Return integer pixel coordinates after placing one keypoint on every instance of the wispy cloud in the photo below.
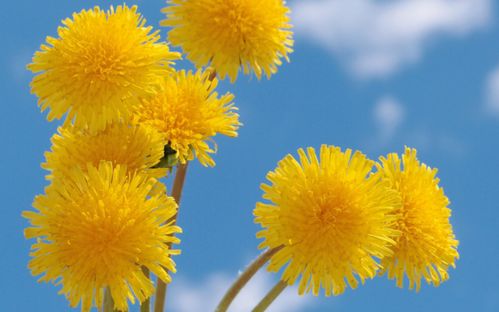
(377, 38)
(492, 93)
(445, 143)
(395, 128)
(17, 66)
(203, 295)
(388, 114)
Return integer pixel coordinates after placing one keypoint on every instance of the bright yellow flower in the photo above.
(231, 34)
(427, 245)
(136, 147)
(98, 67)
(331, 217)
(188, 112)
(96, 229)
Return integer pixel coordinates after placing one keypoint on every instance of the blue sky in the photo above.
(365, 74)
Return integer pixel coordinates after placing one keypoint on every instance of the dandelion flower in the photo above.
(331, 218)
(231, 34)
(138, 148)
(188, 112)
(98, 67)
(96, 229)
(427, 246)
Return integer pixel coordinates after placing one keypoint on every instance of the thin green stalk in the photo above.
(178, 185)
(270, 297)
(244, 278)
(108, 305)
(146, 305)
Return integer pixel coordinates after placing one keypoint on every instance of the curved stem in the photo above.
(244, 278)
(270, 297)
(178, 184)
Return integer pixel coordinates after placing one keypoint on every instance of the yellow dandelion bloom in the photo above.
(136, 147)
(98, 67)
(427, 245)
(231, 34)
(96, 229)
(331, 217)
(188, 112)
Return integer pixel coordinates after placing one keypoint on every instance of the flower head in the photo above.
(231, 34)
(98, 67)
(427, 246)
(136, 147)
(96, 229)
(330, 217)
(188, 112)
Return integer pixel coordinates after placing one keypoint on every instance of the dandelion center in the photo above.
(101, 62)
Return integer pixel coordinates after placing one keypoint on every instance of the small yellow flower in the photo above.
(136, 147)
(188, 112)
(427, 245)
(231, 34)
(98, 67)
(331, 217)
(96, 229)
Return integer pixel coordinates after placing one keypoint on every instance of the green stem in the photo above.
(244, 278)
(108, 301)
(270, 297)
(146, 305)
(178, 185)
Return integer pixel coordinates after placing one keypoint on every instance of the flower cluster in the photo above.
(333, 220)
(330, 219)
(129, 117)
(104, 217)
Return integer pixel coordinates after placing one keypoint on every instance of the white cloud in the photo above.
(201, 296)
(492, 93)
(388, 114)
(376, 38)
